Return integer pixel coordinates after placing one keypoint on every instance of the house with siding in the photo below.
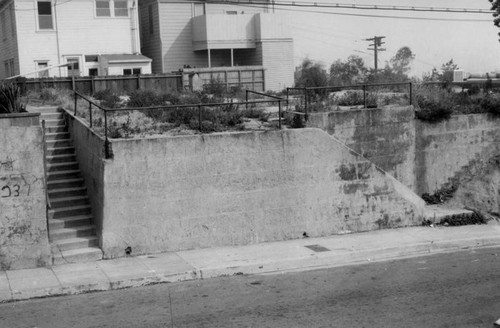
(42, 38)
(241, 42)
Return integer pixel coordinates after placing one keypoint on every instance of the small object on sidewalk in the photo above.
(305, 235)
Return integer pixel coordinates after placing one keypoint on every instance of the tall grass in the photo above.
(10, 99)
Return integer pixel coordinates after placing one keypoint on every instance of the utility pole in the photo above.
(377, 43)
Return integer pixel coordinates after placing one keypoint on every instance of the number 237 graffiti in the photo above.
(10, 191)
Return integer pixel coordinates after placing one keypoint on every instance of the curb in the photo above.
(301, 263)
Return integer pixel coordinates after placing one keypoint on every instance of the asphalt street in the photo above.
(447, 290)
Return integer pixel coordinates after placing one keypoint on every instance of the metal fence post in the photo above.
(199, 117)
(76, 95)
(90, 113)
(106, 141)
(411, 93)
(305, 101)
(364, 96)
(246, 99)
(279, 114)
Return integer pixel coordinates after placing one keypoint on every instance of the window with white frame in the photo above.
(73, 66)
(102, 8)
(131, 71)
(45, 21)
(121, 8)
(111, 8)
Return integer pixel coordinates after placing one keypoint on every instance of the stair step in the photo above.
(61, 158)
(64, 166)
(59, 143)
(57, 136)
(87, 254)
(436, 214)
(69, 222)
(67, 192)
(68, 201)
(62, 175)
(57, 122)
(51, 116)
(60, 150)
(66, 183)
(74, 232)
(69, 211)
(55, 129)
(76, 243)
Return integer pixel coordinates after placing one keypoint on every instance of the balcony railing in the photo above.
(224, 32)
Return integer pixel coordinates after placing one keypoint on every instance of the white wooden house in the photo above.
(239, 41)
(70, 37)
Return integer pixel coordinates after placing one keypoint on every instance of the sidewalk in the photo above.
(266, 258)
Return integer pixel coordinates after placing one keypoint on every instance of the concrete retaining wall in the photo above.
(89, 149)
(445, 150)
(176, 193)
(386, 136)
(23, 217)
(421, 155)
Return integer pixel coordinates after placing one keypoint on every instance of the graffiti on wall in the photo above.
(7, 164)
(12, 184)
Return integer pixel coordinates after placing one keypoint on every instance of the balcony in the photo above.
(224, 32)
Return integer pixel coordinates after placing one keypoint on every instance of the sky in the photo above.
(327, 34)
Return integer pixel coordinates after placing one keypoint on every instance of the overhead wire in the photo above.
(299, 8)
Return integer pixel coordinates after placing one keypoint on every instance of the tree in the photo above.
(350, 72)
(495, 7)
(436, 76)
(400, 63)
(310, 74)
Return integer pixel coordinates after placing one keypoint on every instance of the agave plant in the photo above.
(10, 99)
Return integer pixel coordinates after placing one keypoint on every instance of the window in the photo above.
(45, 15)
(231, 12)
(199, 9)
(91, 58)
(73, 66)
(102, 8)
(41, 68)
(121, 8)
(9, 67)
(93, 72)
(114, 8)
(131, 71)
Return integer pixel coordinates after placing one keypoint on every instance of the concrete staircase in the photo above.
(72, 233)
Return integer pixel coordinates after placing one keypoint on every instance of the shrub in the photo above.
(254, 112)
(146, 98)
(215, 87)
(108, 98)
(50, 95)
(491, 104)
(10, 96)
(356, 98)
(433, 111)
(297, 122)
